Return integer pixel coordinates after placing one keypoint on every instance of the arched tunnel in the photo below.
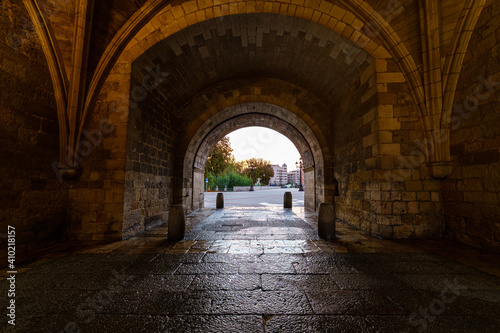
(109, 110)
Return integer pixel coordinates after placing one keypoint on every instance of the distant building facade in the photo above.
(280, 175)
(294, 177)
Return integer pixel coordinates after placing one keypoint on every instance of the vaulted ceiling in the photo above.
(252, 46)
(318, 45)
(110, 16)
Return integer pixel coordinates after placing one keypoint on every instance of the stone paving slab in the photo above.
(331, 300)
(445, 324)
(201, 286)
(306, 282)
(316, 323)
(369, 282)
(226, 282)
(353, 302)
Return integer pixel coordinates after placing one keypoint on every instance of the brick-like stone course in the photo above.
(302, 57)
(32, 199)
(471, 197)
(151, 133)
(96, 199)
(384, 184)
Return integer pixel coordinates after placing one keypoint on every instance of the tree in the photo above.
(265, 173)
(220, 158)
(263, 169)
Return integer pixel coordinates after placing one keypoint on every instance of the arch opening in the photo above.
(248, 115)
(181, 81)
(276, 171)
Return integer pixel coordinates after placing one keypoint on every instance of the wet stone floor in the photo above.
(257, 270)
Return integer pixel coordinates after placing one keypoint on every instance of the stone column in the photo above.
(176, 223)
(326, 221)
(287, 200)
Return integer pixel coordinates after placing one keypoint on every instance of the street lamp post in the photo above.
(299, 166)
(252, 169)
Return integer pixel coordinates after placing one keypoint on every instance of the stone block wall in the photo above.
(96, 198)
(471, 197)
(126, 185)
(383, 181)
(198, 195)
(375, 134)
(350, 126)
(32, 198)
(310, 200)
(151, 139)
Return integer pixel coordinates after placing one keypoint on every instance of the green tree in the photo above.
(222, 170)
(220, 158)
(265, 173)
(263, 169)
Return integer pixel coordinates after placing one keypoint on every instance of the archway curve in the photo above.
(289, 101)
(203, 56)
(292, 104)
(157, 20)
(253, 114)
(254, 120)
(253, 108)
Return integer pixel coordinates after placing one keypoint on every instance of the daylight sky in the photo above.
(262, 142)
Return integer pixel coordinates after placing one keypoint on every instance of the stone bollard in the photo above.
(220, 201)
(287, 200)
(326, 221)
(176, 223)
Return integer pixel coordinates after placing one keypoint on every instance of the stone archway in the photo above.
(247, 120)
(246, 115)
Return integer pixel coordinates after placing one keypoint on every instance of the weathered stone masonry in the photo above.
(471, 198)
(31, 197)
(374, 107)
(383, 180)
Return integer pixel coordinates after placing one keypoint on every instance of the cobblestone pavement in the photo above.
(257, 270)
